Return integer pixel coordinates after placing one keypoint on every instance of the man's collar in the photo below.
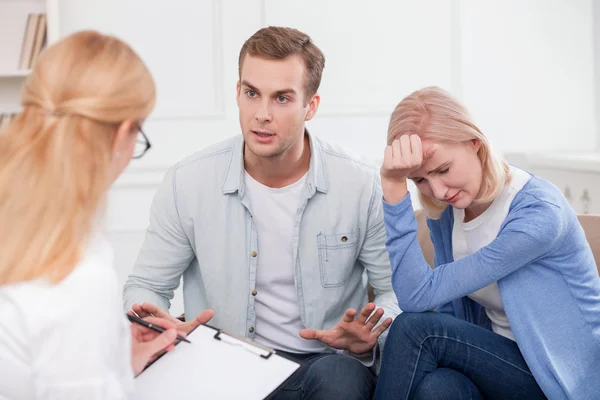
(316, 179)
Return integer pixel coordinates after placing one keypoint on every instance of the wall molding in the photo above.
(217, 54)
(263, 13)
(355, 112)
(53, 21)
(456, 62)
(141, 177)
(218, 111)
(367, 109)
(125, 231)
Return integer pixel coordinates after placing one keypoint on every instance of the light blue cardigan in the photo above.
(546, 274)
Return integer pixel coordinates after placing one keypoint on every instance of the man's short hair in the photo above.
(279, 43)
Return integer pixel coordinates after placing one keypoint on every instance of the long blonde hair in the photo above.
(433, 113)
(56, 156)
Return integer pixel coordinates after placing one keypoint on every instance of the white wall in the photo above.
(596, 28)
(524, 68)
(528, 72)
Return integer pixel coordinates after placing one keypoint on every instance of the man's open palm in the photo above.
(357, 335)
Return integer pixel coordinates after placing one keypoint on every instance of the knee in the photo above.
(446, 384)
(338, 377)
(411, 325)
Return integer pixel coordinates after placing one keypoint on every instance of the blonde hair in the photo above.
(56, 156)
(433, 113)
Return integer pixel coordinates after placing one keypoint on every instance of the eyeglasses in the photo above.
(142, 145)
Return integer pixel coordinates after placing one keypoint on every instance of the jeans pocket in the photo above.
(337, 256)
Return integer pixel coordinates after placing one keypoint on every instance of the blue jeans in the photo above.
(437, 356)
(327, 376)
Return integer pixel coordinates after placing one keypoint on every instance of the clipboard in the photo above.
(216, 365)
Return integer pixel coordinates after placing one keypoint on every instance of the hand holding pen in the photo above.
(147, 343)
(153, 326)
(145, 310)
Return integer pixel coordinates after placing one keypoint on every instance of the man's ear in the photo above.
(313, 106)
(238, 86)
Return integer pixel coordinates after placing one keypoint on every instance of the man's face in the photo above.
(272, 104)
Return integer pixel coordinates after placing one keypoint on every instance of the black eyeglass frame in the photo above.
(144, 140)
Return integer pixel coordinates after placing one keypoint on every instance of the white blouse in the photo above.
(66, 341)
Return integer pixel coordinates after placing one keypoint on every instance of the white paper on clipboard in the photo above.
(214, 366)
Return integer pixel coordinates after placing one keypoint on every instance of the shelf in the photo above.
(15, 73)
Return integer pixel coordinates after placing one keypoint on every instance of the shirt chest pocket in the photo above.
(337, 256)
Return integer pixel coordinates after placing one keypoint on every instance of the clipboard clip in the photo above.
(253, 347)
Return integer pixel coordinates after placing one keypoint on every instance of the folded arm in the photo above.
(531, 230)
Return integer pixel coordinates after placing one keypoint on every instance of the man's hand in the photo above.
(144, 310)
(147, 344)
(355, 335)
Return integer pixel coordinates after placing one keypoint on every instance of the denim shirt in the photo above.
(201, 228)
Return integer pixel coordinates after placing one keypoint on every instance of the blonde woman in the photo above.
(62, 333)
(515, 285)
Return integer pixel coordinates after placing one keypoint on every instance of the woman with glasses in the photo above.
(63, 333)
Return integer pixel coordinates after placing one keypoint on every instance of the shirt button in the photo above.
(251, 329)
(344, 239)
(254, 292)
(254, 254)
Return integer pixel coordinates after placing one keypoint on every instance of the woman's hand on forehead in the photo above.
(405, 155)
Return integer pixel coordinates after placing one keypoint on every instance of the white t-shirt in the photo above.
(66, 341)
(469, 237)
(278, 320)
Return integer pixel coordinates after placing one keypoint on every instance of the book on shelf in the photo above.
(34, 40)
(5, 120)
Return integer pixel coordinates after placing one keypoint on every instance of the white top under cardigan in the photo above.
(469, 237)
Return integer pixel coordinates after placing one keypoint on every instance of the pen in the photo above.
(148, 325)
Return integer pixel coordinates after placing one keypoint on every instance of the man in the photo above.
(274, 231)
